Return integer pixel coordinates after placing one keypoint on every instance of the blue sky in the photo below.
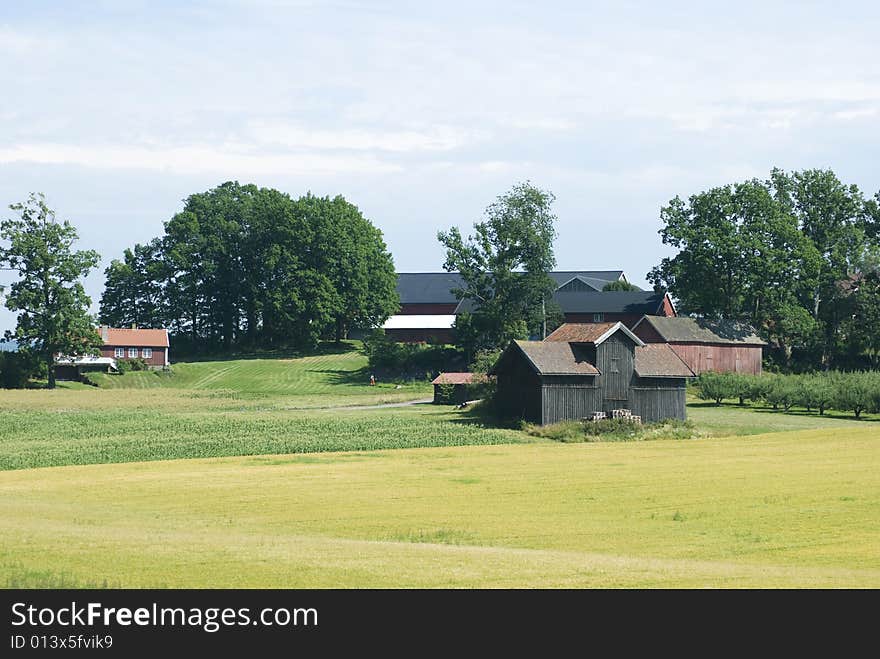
(421, 113)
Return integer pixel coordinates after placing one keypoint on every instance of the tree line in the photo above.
(855, 392)
(796, 255)
(242, 266)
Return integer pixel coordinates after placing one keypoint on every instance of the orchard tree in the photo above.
(504, 267)
(49, 298)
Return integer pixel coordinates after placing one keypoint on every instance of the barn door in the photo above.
(618, 372)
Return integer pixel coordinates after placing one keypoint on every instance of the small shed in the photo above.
(704, 345)
(452, 387)
(585, 368)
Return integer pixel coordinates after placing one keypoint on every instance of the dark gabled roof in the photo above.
(629, 302)
(428, 287)
(594, 333)
(592, 277)
(698, 330)
(436, 287)
(658, 360)
(553, 358)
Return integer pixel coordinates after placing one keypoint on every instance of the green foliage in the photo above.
(855, 392)
(620, 285)
(778, 254)
(504, 268)
(613, 430)
(127, 365)
(715, 386)
(390, 359)
(18, 368)
(48, 296)
(248, 266)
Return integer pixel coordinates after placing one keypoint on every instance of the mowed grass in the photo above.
(792, 509)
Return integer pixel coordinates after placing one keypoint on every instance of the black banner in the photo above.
(126, 621)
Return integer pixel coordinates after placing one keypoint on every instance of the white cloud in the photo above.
(857, 113)
(295, 136)
(231, 160)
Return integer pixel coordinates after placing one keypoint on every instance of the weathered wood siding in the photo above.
(569, 397)
(656, 399)
(614, 359)
(701, 357)
(518, 388)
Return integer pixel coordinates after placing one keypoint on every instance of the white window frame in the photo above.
(598, 317)
(147, 353)
(132, 353)
(119, 353)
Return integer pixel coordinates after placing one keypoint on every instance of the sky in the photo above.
(422, 113)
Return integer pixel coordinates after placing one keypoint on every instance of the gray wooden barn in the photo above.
(583, 368)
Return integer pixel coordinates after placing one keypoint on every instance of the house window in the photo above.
(132, 353)
(147, 353)
(598, 317)
(119, 352)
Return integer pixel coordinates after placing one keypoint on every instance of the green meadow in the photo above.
(290, 481)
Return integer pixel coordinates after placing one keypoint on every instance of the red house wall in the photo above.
(158, 358)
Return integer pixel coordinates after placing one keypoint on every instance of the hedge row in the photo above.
(846, 392)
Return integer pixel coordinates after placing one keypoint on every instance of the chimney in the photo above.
(105, 333)
(134, 326)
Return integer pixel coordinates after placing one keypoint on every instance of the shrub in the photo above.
(391, 359)
(815, 391)
(782, 391)
(857, 392)
(17, 368)
(715, 386)
(126, 365)
(613, 430)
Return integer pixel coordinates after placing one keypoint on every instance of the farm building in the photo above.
(151, 345)
(704, 345)
(452, 387)
(585, 368)
(428, 305)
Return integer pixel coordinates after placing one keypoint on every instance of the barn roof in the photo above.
(658, 360)
(698, 330)
(629, 302)
(555, 358)
(454, 378)
(134, 338)
(436, 287)
(594, 333)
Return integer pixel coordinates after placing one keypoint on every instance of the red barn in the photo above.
(705, 345)
(151, 345)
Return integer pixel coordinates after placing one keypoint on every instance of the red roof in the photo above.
(580, 332)
(134, 338)
(454, 378)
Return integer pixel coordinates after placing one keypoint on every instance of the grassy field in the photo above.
(760, 499)
(788, 509)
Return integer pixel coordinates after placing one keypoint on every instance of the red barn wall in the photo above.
(701, 357)
(648, 334)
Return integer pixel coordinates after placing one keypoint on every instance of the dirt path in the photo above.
(421, 401)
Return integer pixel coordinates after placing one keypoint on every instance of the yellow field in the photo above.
(789, 509)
